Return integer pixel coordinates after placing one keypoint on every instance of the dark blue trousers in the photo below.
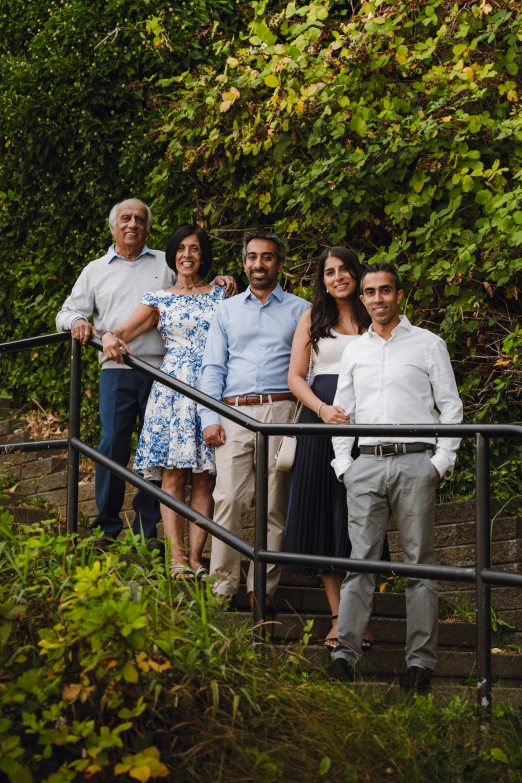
(123, 399)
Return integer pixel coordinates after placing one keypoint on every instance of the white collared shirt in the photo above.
(398, 381)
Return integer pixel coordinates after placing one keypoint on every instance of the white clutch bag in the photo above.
(285, 456)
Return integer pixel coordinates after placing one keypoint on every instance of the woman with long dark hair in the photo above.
(171, 446)
(317, 518)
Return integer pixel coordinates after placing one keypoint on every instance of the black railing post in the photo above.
(260, 533)
(483, 541)
(73, 457)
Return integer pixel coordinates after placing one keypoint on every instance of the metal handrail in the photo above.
(483, 575)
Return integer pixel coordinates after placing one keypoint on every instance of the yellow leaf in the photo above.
(382, 587)
(232, 62)
(271, 80)
(159, 667)
(512, 95)
(469, 73)
(299, 107)
(130, 673)
(158, 42)
(71, 692)
(234, 91)
(92, 769)
(225, 106)
(502, 362)
(447, 118)
(401, 58)
(142, 773)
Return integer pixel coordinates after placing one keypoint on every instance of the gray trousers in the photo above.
(378, 487)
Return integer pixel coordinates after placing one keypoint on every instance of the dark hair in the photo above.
(269, 237)
(324, 314)
(178, 236)
(382, 266)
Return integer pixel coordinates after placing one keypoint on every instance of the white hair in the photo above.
(114, 211)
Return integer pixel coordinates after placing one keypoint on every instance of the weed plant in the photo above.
(109, 670)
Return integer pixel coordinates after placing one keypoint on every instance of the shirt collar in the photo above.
(277, 292)
(112, 254)
(403, 324)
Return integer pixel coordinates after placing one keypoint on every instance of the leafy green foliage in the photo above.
(394, 127)
(109, 669)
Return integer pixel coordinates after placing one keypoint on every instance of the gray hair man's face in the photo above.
(130, 225)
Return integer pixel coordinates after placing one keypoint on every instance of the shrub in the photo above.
(111, 671)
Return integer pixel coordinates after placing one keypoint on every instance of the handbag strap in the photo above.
(299, 406)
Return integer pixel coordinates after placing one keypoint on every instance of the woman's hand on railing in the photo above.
(113, 346)
(333, 414)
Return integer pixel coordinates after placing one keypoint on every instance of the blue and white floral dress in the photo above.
(172, 434)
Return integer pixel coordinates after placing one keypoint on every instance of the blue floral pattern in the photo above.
(172, 434)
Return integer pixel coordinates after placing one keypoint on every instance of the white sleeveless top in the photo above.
(327, 358)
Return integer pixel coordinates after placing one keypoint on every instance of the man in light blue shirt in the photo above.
(245, 364)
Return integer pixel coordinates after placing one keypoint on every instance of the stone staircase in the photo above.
(300, 599)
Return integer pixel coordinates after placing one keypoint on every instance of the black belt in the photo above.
(395, 449)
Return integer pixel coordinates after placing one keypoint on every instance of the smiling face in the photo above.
(261, 265)
(381, 298)
(130, 228)
(188, 255)
(337, 279)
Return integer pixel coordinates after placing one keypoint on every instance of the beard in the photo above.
(261, 283)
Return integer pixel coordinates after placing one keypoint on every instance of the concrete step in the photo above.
(9, 424)
(11, 498)
(16, 437)
(386, 631)
(39, 486)
(459, 664)
(463, 533)
(27, 515)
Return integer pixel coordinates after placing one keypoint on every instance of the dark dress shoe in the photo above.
(154, 545)
(340, 670)
(270, 605)
(416, 678)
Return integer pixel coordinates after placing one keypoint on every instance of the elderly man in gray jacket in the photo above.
(109, 289)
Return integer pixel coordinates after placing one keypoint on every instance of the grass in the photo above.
(110, 671)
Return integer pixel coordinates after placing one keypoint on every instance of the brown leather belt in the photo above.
(259, 399)
(395, 449)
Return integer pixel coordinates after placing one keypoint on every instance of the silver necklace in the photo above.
(190, 287)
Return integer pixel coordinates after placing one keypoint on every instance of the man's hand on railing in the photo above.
(214, 435)
(112, 347)
(82, 330)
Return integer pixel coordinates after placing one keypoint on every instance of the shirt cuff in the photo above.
(341, 465)
(208, 418)
(443, 465)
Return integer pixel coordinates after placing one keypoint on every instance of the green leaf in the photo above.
(324, 766)
(499, 755)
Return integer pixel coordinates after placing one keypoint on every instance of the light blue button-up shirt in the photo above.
(248, 347)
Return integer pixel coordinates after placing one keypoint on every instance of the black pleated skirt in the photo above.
(317, 518)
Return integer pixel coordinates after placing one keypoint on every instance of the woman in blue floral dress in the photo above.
(171, 445)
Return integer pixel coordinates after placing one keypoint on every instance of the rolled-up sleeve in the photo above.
(447, 400)
(213, 368)
(345, 397)
(80, 304)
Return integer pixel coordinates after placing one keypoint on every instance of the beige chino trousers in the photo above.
(235, 486)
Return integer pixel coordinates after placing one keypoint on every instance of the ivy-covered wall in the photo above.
(394, 127)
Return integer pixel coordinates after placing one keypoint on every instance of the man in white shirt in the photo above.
(395, 374)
